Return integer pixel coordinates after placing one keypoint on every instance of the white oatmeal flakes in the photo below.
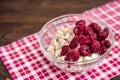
(51, 50)
(57, 52)
(62, 37)
(67, 36)
(61, 57)
(60, 32)
(80, 59)
(65, 30)
(95, 55)
(55, 44)
(87, 58)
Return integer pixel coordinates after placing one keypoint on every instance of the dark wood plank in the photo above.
(30, 16)
(19, 18)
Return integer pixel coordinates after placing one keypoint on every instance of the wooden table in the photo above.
(19, 18)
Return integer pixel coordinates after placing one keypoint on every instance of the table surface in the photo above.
(19, 18)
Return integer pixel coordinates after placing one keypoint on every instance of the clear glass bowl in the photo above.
(49, 30)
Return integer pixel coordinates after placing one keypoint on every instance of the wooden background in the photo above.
(19, 18)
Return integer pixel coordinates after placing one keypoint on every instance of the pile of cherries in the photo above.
(87, 40)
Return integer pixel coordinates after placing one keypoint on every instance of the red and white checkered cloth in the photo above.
(25, 61)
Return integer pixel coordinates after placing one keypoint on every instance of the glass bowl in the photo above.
(49, 30)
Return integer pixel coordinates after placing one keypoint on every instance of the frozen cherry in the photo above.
(106, 43)
(96, 28)
(64, 50)
(67, 58)
(83, 40)
(88, 31)
(103, 34)
(80, 27)
(74, 42)
(73, 55)
(84, 50)
(106, 31)
(102, 50)
(93, 36)
(95, 46)
(80, 22)
(77, 31)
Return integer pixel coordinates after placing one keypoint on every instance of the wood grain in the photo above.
(19, 18)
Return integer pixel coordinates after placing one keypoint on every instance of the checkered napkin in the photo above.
(25, 61)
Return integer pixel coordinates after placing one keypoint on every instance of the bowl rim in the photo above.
(72, 62)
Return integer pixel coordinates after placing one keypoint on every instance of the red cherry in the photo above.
(84, 50)
(64, 50)
(74, 42)
(103, 34)
(88, 31)
(80, 22)
(83, 40)
(95, 46)
(96, 28)
(72, 55)
(106, 43)
(102, 50)
(77, 31)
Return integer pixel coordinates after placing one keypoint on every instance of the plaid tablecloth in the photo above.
(25, 61)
